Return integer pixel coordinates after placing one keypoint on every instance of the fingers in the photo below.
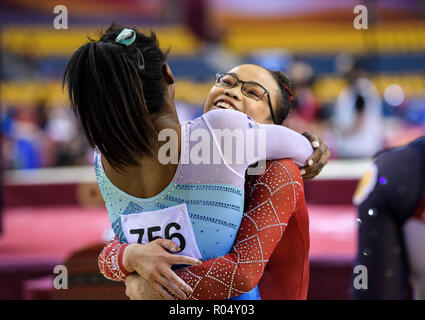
(171, 287)
(316, 156)
(314, 140)
(168, 245)
(163, 293)
(316, 168)
(318, 159)
(177, 259)
(312, 165)
(322, 157)
(177, 281)
(320, 151)
(306, 174)
(138, 288)
(129, 290)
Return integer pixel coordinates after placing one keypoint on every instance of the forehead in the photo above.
(251, 72)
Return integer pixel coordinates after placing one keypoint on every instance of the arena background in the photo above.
(52, 211)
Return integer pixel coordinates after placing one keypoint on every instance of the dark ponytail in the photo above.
(113, 98)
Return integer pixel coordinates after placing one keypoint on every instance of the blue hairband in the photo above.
(127, 37)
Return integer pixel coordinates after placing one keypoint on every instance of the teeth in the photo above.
(224, 105)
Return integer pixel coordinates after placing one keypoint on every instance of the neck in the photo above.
(166, 119)
(149, 177)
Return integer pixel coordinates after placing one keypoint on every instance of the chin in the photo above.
(209, 108)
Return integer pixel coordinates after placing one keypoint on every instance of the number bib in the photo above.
(169, 223)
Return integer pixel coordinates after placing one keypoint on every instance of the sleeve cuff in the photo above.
(120, 254)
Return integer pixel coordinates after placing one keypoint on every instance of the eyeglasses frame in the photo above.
(266, 92)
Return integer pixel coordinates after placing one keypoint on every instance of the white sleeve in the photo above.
(282, 142)
(271, 142)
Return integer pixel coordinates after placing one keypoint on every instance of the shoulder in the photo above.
(220, 118)
(281, 185)
(286, 168)
(398, 178)
(278, 173)
(391, 161)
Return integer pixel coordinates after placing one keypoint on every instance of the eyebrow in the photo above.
(250, 81)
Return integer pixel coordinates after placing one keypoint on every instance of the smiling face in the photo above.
(234, 99)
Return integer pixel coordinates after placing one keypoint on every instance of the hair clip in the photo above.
(140, 57)
(126, 37)
(291, 96)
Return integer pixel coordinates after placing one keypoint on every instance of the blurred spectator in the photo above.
(24, 142)
(35, 137)
(357, 118)
(307, 105)
(305, 114)
(197, 17)
(63, 130)
(222, 34)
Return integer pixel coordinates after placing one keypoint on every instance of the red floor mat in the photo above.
(36, 238)
(35, 233)
(53, 232)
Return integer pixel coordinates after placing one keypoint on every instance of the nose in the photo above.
(234, 93)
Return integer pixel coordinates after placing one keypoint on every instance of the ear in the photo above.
(168, 75)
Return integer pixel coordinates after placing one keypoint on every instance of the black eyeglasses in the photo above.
(249, 89)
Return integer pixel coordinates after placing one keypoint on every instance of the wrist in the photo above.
(128, 257)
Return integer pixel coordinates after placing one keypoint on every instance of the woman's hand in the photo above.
(137, 288)
(153, 262)
(318, 159)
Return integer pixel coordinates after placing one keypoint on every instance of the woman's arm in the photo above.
(270, 141)
(137, 288)
(110, 260)
(152, 261)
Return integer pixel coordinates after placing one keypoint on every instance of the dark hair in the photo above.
(286, 96)
(113, 98)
